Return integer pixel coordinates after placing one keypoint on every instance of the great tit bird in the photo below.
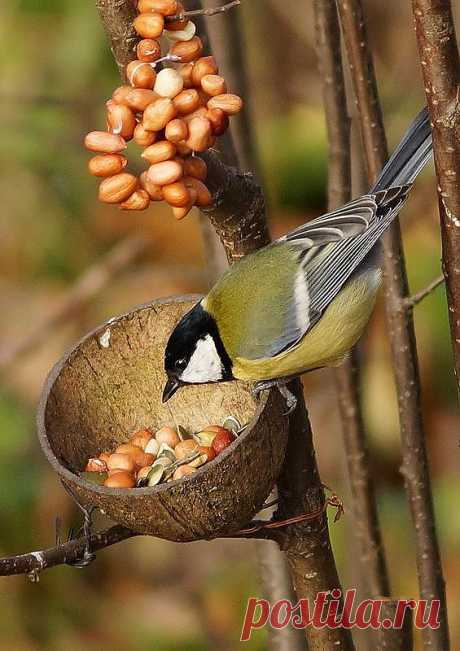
(302, 302)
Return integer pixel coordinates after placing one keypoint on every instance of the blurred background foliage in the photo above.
(55, 73)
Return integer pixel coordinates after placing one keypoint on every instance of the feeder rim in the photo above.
(56, 370)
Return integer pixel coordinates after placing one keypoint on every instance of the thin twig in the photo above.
(64, 554)
(366, 529)
(338, 123)
(414, 300)
(70, 552)
(439, 55)
(401, 330)
(91, 283)
(204, 12)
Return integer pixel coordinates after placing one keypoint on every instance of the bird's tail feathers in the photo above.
(410, 157)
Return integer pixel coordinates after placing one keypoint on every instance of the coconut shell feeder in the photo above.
(110, 385)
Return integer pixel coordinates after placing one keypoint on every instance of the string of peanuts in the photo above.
(173, 115)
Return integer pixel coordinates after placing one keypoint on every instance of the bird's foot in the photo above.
(281, 385)
(291, 400)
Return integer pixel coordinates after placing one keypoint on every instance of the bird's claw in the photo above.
(80, 563)
(257, 389)
(281, 385)
(291, 403)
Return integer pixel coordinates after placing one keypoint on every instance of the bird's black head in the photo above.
(195, 353)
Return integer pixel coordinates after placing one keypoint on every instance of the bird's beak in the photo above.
(172, 385)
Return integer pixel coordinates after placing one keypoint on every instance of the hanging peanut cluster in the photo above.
(172, 115)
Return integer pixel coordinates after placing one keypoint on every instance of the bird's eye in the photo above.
(181, 364)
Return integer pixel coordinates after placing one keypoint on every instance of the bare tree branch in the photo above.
(67, 553)
(437, 43)
(394, 639)
(238, 214)
(401, 330)
(307, 545)
(338, 123)
(91, 283)
(414, 300)
(213, 11)
(117, 20)
(239, 148)
(366, 528)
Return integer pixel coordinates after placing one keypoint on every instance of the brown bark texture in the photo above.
(439, 56)
(400, 327)
(394, 639)
(35, 562)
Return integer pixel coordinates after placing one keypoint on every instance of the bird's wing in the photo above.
(330, 248)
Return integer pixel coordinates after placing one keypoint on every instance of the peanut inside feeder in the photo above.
(111, 384)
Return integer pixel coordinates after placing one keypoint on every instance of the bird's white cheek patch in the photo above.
(205, 364)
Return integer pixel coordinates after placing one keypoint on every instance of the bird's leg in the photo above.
(291, 400)
(263, 385)
(281, 385)
(88, 556)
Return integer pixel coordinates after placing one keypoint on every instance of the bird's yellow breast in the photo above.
(329, 341)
